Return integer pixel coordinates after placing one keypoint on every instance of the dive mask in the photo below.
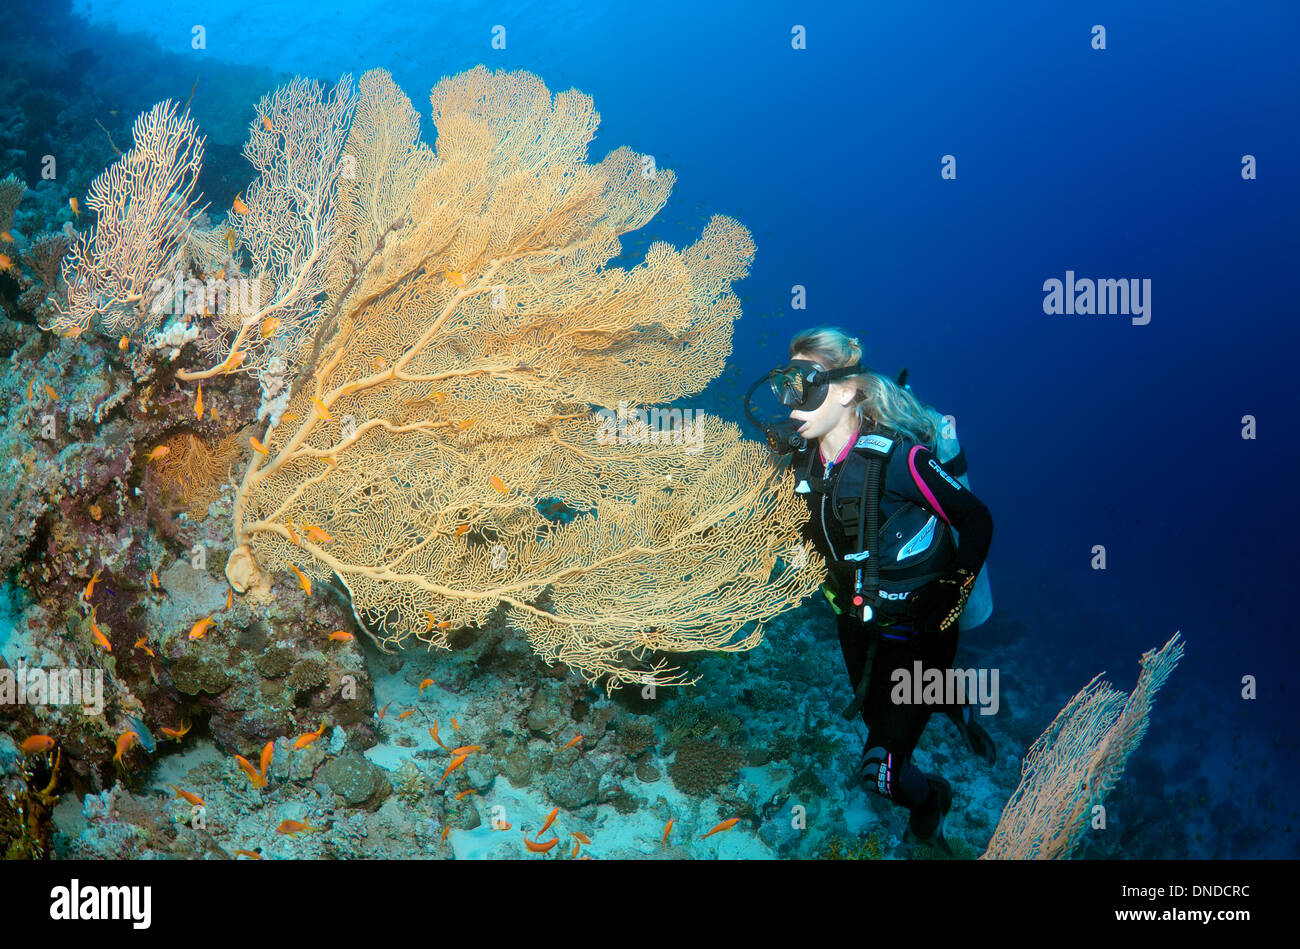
(803, 385)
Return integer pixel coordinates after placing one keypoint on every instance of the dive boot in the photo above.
(978, 741)
(926, 821)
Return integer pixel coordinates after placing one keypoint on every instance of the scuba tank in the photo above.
(979, 606)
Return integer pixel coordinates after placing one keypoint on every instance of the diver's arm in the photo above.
(929, 484)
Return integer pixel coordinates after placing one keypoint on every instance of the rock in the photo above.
(357, 781)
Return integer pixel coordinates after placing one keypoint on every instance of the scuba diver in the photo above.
(863, 450)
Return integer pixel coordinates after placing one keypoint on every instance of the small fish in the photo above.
(153, 578)
(504, 825)
(162, 451)
(460, 531)
(725, 825)
(309, 738)
(76, 207)
(176, 734)
(455, 763)
(5, 262)
(124, 343)
(321, 410)
(407, 714)
(141, 643)
(330, 460)
(50, 392)
(231, 238)
(576, 847)
(37, 744)
(90, 587)
(239, 205)
(288, 524)
(498, 484)
(445, 624)
(341, 636)
(97, 633)
(433, 733)
(250, 772)
(266, 123)
(29, 389)
(234, 361)
(580, 836)
(540, 848)
(124, 743)
(96, 511)
(289, 417)
(269, 326)
(198, 404)
(291, 827)
(464, 424)
(572, 741)
(455, 724)
(550, 819)
(445, 830)
(200, 629)
(191, 798)
(142, 734)
(667, 829)
(465, 793)
(268, 754)
(257, 446)
(250, 854)
(466, 750)
(318, 535)
(383, 710)
(456, 278)
(303, 580)
(230, 599)
(424, 683)
(6, 237)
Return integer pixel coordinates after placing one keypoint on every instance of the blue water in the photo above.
(1080, 430)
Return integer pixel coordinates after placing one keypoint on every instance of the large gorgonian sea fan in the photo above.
(447, 411)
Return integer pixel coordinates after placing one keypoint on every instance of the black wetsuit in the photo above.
(910, 476)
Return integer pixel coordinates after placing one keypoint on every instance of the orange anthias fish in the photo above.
(341, 636)
(464, 424)
(268, 753)
(540, 848)
(250, 772)
(257, 446)
(550, 819)
(465, 793)
(288, 525)
(303, 580)
(456, 278)
(321, 410)
(234, 361)
(142, 643)
(36, 745)
(124, 743)
(191, 798)
(76, 207)
(580, 836)
(160, 452)
(200, 629)
(318, 535)
(266, 123)
(725, 825)
(6, 237)
(49, 390)
(461, 529)
(291, 827)
(5, 262)
(424, 683)
(231, 239)
(466, 749)
(97, 632)
(239, 205)
(308, 739)
(383, 710)
(667, 830)
(90, 587)
(455, 724)
(572, 741)
(124, 343)
(250, 854)
(433, 733)
(288, 417)
(176, 734)
(230, 598)
(455, 763)
(407, 714)
(153, 578)
(269, 326)
(498, 484)
(198, 404)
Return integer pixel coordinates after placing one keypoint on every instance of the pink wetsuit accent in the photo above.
(916, 476)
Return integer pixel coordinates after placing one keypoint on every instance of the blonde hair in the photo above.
(881, 403)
